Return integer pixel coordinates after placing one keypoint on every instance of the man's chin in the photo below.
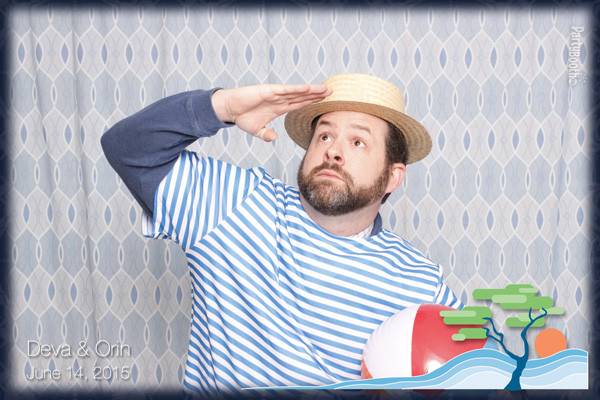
(329, 179)
(329, 204)
(328, 195)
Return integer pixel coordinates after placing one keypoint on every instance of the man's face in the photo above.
(345, 168)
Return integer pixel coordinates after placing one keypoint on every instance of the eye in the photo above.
(358, 143)
(324, 137)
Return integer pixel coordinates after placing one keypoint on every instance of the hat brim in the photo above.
(418, 141)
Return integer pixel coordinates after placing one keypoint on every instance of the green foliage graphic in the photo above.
(512, 297)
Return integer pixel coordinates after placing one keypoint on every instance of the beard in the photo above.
(339, 198)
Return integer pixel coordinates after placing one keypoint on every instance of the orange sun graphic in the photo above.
(550, 341)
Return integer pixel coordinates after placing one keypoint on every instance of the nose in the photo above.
(334, 153)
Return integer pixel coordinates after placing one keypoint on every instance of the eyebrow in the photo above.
(357, 126)
(321, 121)
(361, 127)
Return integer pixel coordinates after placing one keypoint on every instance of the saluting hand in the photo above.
(251, 108)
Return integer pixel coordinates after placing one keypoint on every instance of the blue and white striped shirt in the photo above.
(277, 300)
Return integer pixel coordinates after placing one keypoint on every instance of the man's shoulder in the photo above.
(392, 237)
(403, 248)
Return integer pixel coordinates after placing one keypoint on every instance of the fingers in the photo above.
(301, 103)
(298, 96)
(292, 91)
(269, 102)
(266, 134)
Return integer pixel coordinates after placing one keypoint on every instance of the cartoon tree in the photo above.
(512, 297)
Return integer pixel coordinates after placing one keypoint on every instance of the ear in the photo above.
(397, 172)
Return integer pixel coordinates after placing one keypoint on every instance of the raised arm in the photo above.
(143, 147)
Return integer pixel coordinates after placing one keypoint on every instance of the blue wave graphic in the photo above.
(484, 369)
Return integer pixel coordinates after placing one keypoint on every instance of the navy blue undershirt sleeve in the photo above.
(377, 225)
(142, 148)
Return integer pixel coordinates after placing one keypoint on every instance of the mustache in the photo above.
(335, 168)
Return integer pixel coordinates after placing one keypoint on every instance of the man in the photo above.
(287, 284)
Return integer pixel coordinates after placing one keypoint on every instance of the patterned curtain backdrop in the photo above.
(503, 198)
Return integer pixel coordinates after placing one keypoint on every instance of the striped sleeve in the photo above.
(445, 296)
(195, 196)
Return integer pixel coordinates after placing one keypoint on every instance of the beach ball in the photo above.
(412, 342)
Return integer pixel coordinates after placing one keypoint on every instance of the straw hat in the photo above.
(367, 94)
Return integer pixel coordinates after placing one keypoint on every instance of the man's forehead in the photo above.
(361, 126)
(355, 119)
